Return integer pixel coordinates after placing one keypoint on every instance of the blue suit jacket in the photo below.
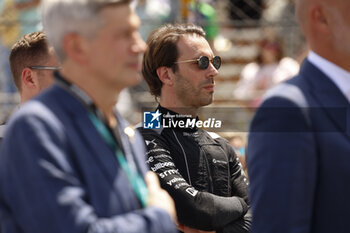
(299, 158)
(57, 174)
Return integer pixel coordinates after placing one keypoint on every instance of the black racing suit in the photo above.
(202, 174)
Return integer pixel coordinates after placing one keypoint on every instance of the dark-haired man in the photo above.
(201, 172)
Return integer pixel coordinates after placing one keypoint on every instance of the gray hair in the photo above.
(61, 17)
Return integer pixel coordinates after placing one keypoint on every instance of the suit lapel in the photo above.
(98, 148)
(105, 158)
(328, 96)
(133, 145)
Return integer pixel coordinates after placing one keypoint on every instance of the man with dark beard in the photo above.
(201, 172)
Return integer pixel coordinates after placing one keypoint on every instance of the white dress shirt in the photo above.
(2, 131)
(338, 75)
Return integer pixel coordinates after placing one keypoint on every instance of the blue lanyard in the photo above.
(136, 181)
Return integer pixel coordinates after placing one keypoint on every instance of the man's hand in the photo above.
(159, 197)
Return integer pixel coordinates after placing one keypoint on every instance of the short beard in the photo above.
(191, 96)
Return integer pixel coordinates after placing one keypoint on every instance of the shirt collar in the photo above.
(338, 75)
(2, 130)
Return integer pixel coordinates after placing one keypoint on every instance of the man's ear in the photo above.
(74, 47)
(320, 19)
(29, 79)
(165, 75)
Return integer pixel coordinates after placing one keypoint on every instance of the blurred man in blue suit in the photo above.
(299, 143)
(69, 162)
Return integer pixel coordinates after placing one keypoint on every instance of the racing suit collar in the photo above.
(175, 120)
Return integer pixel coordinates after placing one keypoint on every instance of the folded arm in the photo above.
(200, 210)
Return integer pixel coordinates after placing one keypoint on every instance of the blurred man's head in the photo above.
(326, 25)
(96, 38)
(32, 62)
(179, 66)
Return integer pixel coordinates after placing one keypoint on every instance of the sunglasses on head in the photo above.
(203, 62)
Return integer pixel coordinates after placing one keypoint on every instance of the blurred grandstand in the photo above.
(234, 28)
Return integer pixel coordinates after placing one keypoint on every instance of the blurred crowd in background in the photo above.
(258, 40)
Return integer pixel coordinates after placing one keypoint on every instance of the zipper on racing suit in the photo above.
(211, 186)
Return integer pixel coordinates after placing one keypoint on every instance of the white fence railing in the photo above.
(8, 103)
